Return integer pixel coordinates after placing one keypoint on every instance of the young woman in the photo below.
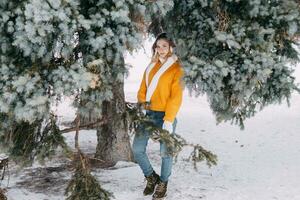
(161, 94)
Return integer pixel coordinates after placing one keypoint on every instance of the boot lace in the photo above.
(150, 181)
(160, 187)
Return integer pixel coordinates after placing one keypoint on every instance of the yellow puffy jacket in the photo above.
(167, 96)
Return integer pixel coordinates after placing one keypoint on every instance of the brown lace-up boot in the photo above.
(152, 180)
(160, 191)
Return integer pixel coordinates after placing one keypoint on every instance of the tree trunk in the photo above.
(113, 139)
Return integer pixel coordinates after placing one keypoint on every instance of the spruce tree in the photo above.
(238, 52)
(114, 27)
(56, 48)
(37, 67)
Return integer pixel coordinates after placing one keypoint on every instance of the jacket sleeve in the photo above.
(175, 99)
(141, 95)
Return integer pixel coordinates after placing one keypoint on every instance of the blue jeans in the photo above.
(140, 143)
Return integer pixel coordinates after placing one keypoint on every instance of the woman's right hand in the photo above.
(142, 108)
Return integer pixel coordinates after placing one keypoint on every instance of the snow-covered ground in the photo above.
(261, 162)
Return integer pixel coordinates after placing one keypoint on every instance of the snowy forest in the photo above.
(69, 76)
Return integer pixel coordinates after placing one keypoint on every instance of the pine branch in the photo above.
(90, 125)
(199, 154)
(28, 141)
(174, 142)
(83, 185)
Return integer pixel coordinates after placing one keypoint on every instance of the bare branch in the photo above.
(90, 125)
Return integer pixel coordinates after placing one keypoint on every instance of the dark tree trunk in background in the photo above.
(113, 139)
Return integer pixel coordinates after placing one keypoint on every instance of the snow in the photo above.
(3, 156)
(261, 162)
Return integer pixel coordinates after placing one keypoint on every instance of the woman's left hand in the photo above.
(168, 126)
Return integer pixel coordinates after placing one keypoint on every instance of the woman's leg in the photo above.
(167, 159)
(139, 151)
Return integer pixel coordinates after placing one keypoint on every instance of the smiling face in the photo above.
(162, 48)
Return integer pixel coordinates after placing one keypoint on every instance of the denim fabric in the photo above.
(140, 143)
